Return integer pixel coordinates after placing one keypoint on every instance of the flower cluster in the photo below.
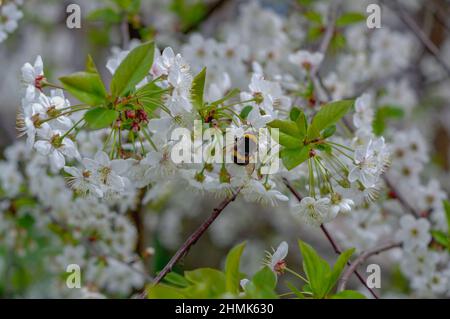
(89, 167)
(10, 14)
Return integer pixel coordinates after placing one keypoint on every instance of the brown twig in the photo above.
(324, 44)
(125, 33)
(331, 240)
(418, 32)
(399, 196)
(331, 27)
(138, 220)
(361, 259)
(184, 249)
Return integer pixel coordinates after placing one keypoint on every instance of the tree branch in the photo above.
(361, 259)
(418, 32)
(331, 240)
(184, 249)
(324, 44)
(399, 196)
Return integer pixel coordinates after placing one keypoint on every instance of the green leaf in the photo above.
(286, 127)
(150, 96)
(294, 114)
(314, 33)
(262, 285)
(446, 204)
(198, 88)
(190, 13)
(100, 117)
(131, 6)
(382, 115)
(329, 131)
(164, 292)
(305, 2)
(441, 237)
(245, 112)
(232, 268)
(287, 140)
(26, 221)
(90, 65)
(348, 294)
(328, 115)
(338, 268)
(302, 124)
(317, 270)
(86, 87)
(294, 289)
(208, 283)
(350, 18)
(314, 16)
(133, 69)
(176, 279)
(292, 157)
(107, 15)
(265, 278)
(228, 96)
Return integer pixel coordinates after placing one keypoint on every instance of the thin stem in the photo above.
(312, 190)
(340, 145)
(184, 249)
(296, 275)
(147, 136)
(361, 259)
(418, 32)
(72, 128)
(64, 114)
(238, 103)
(45, 83)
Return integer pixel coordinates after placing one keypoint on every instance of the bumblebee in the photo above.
(245, 149)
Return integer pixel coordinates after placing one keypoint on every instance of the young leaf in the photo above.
(441, 237)
(245, 112)
(100, 117)
(198, 88)
(208, 282)
(447, 214)
(232, 268)
(288, 141)
(176, 280)
(86, 87)
(317, 270)
(294, 114)
(133, 69)
(329, 131)
(350, 18)
(107, 15)
(228, 96)
(164, 292)
(338, 268)
(382, 115)
(302, 124)
(314, 16)
(328, 115)
(292, 157)
(265, 278)
(150, 96)
(348, 294)
(287, 127)
(90, 65)
(294, 289)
